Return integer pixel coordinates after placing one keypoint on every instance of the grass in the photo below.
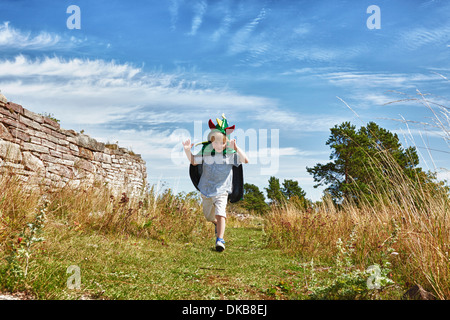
(136, 268)
(405, 228)
(132, 268)
(161, 247)
(154, 247)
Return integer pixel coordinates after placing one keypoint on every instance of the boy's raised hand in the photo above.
(233, 144)
(187, 144)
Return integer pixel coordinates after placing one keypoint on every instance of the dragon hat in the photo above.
(221, 126)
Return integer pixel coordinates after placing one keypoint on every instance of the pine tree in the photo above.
(254, 199)
(364, 161)
(294, 193)
(274, 192)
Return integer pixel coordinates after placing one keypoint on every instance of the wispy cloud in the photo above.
(296, 121)
(302, 29)
(368, 89)
(240, 40)
(224, 27)
(354, 79)
(113, 91)
(174, 8)
(253, 33)
(432, 32)
(17, 39)
(444, 175)
(199, 9)
(424, 36)
(22, 66)
(322, 53)
(286, 151)
(120, 102)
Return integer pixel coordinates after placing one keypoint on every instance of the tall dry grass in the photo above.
(17, 203)
(414, 240)
(95, 208)
(404, 219)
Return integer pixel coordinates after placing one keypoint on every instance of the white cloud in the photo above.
(444, 175)
(298, 122)
(96, 91)
(267, 153)
(224, 27)
(105, 96)
(120, 102)
(76, 68)
(240, 40)
(13, 38)
(173, 10)
(420, 37)
(302, 29)
(200, 9)
(359, 79)
(368, 89)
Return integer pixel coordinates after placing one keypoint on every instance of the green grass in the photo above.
(136, 268)
(162, 248)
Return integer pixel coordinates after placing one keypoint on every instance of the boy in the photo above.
(218, 156)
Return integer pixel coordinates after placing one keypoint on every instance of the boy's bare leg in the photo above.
(220, 223)
(215, 224)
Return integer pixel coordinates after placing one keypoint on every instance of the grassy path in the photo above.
(114, 268)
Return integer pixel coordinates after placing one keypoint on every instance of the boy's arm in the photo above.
(187, 150)
(239, 151)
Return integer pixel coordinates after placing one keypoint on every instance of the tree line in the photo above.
(362, 164)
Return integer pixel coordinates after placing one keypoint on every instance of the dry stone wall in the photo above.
(39, 151)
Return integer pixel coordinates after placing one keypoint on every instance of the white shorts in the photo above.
(214, 206)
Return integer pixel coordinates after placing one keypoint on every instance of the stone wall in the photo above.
(39, 151)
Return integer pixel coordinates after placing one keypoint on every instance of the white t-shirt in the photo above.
(217, 175)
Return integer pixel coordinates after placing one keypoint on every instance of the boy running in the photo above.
(218, 156)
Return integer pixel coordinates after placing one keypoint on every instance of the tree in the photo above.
(291, 188)
(363, 161)
(274, 192)
(290, 192)
(294, 193)
(254, 199)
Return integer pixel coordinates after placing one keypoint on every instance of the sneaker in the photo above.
(220, 244)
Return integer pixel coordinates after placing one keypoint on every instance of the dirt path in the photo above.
(15, 296)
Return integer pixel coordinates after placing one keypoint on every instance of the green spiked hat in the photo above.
(222, 126)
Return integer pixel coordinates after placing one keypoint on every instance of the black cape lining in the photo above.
(237, 193)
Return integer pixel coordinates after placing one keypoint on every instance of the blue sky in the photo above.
(146, 73)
